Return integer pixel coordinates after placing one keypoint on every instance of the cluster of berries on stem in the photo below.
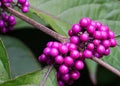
(8, 21)
(87, 39)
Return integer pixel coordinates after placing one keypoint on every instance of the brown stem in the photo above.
(57, 36)
(107, 66)
(37, 25)
(46, 75)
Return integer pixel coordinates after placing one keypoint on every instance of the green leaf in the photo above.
(4, 64)
(33, 79)
(21, 58)
(57, 25)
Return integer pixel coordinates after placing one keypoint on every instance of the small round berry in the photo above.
(84, 37)
(2, 24)
(55, 45)
(11, 19)
(96, 54)
(49, 44)
(26, 4)
(61, 83)
(90, 46)
(54, 52)
(87, 54)
(59, 59)
(98, 24)
(75, 75)
(96, 42)
(76, 28)
(104, 28)
(97, 34)
(74, 39)
(93, 24)
(106, 43)
(70, 33)
(63, 69)
(46, 51)
(25, 9)
(72, 47)
(66, 77)
(42, 58)
(111, 34)
(63, 49)
(100, 49)
(79, 65)
(74, 54)
(84, 22)
(107, 51)
(91, 29)
(104, 35)
(113, 42)
(68, 61)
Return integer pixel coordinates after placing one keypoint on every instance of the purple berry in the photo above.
(68, 61)
(76, 28)
(107, 51)
(93, 24)
(111, 34)
(25, 9)
(72, 47)
(98, 24)
(87, 54)
(104, 28)
(47, 50)
(63, 49)
(42, 58)
(61, 83)
(113, 42)
(97, 35)
(84, 37)
(79, 65)
(100, 49)
(70, 33)
(96, 42)
(74, 54)
(54, 52)
(90, 46)
(55, 45)
(63, 69)
(74, 39)
(59, 59)
(106, 43)
(75, 75)
(96, 54)
(84, 22)
(2, 24)
(66, 77)
(49, 44)
(104, 35)
(91, 29)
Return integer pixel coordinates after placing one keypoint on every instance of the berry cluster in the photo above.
(7, 22)
(87, 39)
(67, 60)
(93, 38)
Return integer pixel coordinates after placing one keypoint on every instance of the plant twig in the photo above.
(57, 36)
(37, 25)
(107, 66)
(46, 75)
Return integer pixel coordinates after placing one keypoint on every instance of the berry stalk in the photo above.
(37, 25)
(107, 66)
(57, 36)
